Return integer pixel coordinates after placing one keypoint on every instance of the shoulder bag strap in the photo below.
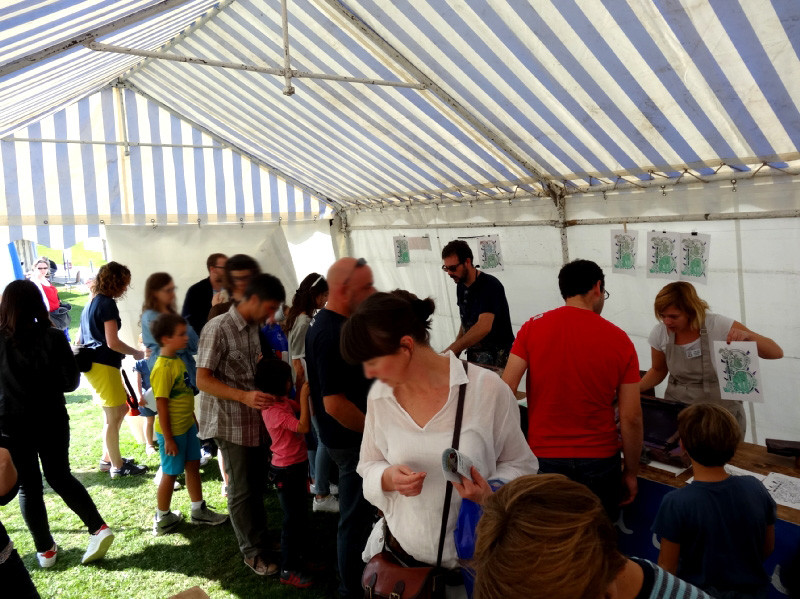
(448, 494)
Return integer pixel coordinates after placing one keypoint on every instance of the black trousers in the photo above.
(292, 482)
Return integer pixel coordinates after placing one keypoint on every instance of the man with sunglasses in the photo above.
(485, 331)
(578, 364)
(339, 397)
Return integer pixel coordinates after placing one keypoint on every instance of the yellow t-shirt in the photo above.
(167, 380)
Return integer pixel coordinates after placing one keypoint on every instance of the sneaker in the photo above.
(205, 456)
(128, 469)
(326, 504)
(98, 545)
(106, 466)
(151, 449)
(49, 557)
(167, 523)
(203, 515)
(333, 489)
(260, 567)
(296, 579)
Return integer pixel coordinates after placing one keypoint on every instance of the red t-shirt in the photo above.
(52, 297)
(576, 361)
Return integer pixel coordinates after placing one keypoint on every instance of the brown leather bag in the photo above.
(386, 578)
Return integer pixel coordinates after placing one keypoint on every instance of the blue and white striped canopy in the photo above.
(519, 97)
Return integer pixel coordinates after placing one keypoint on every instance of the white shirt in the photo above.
(717, 326)
(490, 436)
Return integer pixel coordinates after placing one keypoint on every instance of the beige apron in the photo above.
(694, 380)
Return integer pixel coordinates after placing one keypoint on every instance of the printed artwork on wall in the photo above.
(402, 255)
(663, 255)
(694, 250)
(489, 255)
(737, 369)
(624, 248)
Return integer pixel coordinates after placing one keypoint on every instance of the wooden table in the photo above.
(748, 457)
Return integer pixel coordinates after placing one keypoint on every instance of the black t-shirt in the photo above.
(486, 294)
(93, 331)
(329, 374)
(197, 304)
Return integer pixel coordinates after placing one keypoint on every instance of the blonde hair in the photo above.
(545, 537)
(683, 296)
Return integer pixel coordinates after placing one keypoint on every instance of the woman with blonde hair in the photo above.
(547, 537)
(100, 324)
(681, 346)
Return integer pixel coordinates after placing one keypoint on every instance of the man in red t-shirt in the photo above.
(578, 363)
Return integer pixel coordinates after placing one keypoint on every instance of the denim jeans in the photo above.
(356, 516)
(323, 465)
(247, 468)
(603, 476)
(292, 482)
(48, 441)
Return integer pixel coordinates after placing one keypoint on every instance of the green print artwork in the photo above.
(662, 262)
(738, 378)
(694, 258)
(625, 251)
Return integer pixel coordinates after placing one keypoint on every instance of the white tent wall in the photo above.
(752, 273)
(182, 251)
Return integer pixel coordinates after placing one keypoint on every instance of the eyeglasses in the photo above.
(43, 268)
(452, 267)
(218, 267)
(359, 263)
(606, 294)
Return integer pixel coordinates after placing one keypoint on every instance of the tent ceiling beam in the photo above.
(126, 144)
(78, 40)
(336, 206)
(99, 47)
(487, 132)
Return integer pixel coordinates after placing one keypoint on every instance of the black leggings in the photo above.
(49, 442)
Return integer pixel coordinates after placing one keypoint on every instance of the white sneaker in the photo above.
(333, 489)
(326, 504)
(157, 479)
(49, 557)
(205, 457)
(98, 545)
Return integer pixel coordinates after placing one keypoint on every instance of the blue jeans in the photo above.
(323, 464)
(603, 476)
(355, 521)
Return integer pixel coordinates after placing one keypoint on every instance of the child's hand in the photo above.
(142, 402)
(170, 447)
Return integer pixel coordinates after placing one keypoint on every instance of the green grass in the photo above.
(80, 256)
(139, 565)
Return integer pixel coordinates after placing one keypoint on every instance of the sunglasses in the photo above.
(43, 268)
(452, 267)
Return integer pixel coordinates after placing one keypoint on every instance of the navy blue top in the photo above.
(721, 529)
(329, 374)
(93, 331)
(486, 294)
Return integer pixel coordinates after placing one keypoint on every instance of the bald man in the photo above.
(339, 395)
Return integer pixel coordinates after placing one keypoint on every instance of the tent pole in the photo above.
(288, 88)
(125, 199)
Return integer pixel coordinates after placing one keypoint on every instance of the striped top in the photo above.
(660, 584)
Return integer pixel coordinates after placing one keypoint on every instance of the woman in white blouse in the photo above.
(681, 346)
(410, 420)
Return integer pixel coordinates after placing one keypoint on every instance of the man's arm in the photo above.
(630, 421)
(344, 412)
(475, 333)
(206, 381)
(513, 372)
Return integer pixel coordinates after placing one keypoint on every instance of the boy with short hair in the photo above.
(289, 468)
(716, 532)
(176, 427)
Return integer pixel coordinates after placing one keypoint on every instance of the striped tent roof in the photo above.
(517, 97)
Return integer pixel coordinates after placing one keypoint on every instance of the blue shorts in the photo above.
(146, 412)
(188, 450)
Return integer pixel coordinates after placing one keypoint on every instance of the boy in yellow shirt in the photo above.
(176, 427)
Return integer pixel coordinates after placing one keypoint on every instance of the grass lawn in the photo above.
(139, 565)
(80, 256)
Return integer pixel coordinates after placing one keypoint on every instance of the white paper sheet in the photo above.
(694, 249)
(785, 490)
(402, 255)
(489, 255)
(663, 255)
(624, 248)
(738, 370)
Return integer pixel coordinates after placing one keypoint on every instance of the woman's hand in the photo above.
(475, 489)
(739, 335)
(402, 479)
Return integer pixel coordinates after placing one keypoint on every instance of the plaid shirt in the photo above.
(229, 347)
